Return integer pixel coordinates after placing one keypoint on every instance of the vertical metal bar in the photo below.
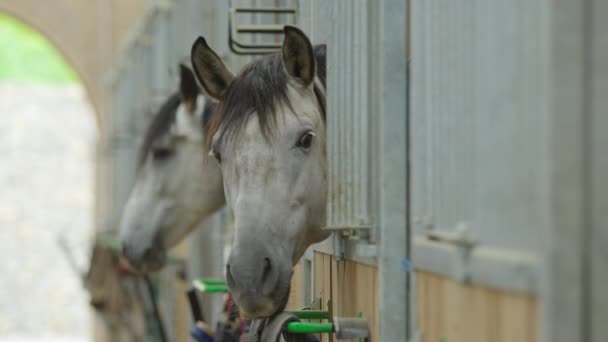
(392, 157)
(347, 148)
(563, 285)
(598, 122)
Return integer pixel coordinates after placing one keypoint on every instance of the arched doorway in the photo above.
(47, 139)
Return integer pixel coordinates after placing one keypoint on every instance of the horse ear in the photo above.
(298, 56)
(187, 87)
(209, 69)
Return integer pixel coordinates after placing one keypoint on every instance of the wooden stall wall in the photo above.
(351, 287)
(449, 311)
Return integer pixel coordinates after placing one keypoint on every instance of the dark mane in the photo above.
(164, 119)
(260, 88)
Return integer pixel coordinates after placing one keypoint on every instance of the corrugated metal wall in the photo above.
(349, 116)
(505, 168)
(366, 122)
(480, 128)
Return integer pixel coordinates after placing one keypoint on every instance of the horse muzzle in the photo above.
(259, 281)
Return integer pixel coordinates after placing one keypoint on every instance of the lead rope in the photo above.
(157, 318)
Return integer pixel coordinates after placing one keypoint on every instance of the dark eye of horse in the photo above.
(160, 153)
(305, 140)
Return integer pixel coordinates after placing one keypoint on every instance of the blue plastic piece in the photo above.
(199, 335)
(406, 265)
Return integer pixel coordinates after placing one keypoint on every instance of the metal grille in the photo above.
(348, 120)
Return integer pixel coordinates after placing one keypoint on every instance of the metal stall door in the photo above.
(359, 269)
(479, 136)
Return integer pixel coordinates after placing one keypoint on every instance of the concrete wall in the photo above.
(87, 33)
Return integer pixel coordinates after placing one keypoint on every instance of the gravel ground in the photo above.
(47, 136)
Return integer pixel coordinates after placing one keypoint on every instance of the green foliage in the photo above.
(26, 56)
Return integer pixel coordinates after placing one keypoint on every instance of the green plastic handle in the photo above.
(310, 328)
(215, 281)
(209, 288)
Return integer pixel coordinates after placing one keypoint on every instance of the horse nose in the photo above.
(250, 274)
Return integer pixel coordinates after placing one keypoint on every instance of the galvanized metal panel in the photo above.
(349, 173)
(598, 272)
(161, 40)
(563, 286)
(366, 130)
(316, 19)
(390, 34)
(479, 121)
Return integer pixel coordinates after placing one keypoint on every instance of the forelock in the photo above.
(259, 90)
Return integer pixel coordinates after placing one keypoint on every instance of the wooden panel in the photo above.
(182, 312)
(352, 288)
(355, 290)
(453, 312)
(322, 279)
(295, 294)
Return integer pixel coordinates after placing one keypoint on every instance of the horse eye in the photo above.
(305, 140)
(160, 153)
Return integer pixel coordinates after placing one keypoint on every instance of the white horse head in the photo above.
(175, 187)
(268, 135)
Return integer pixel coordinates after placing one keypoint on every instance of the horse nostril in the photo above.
(266, 270)
(270, 277)
(148, 254)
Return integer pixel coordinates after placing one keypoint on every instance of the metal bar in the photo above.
(195, 308)
(260, 28)
(598, 126)
(264, 10)
(353, 227)
(311, 314)
(310, 328)
(214, 281)
(564, 288)
(211, 288)
(393, 174)
(241, 48)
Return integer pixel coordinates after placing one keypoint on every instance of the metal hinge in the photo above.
(459, 237)
(351, 232)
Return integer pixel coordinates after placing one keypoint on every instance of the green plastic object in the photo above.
(210, 287)
(111, 243)
(215, 281)
(311, 314)
(310, 328)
